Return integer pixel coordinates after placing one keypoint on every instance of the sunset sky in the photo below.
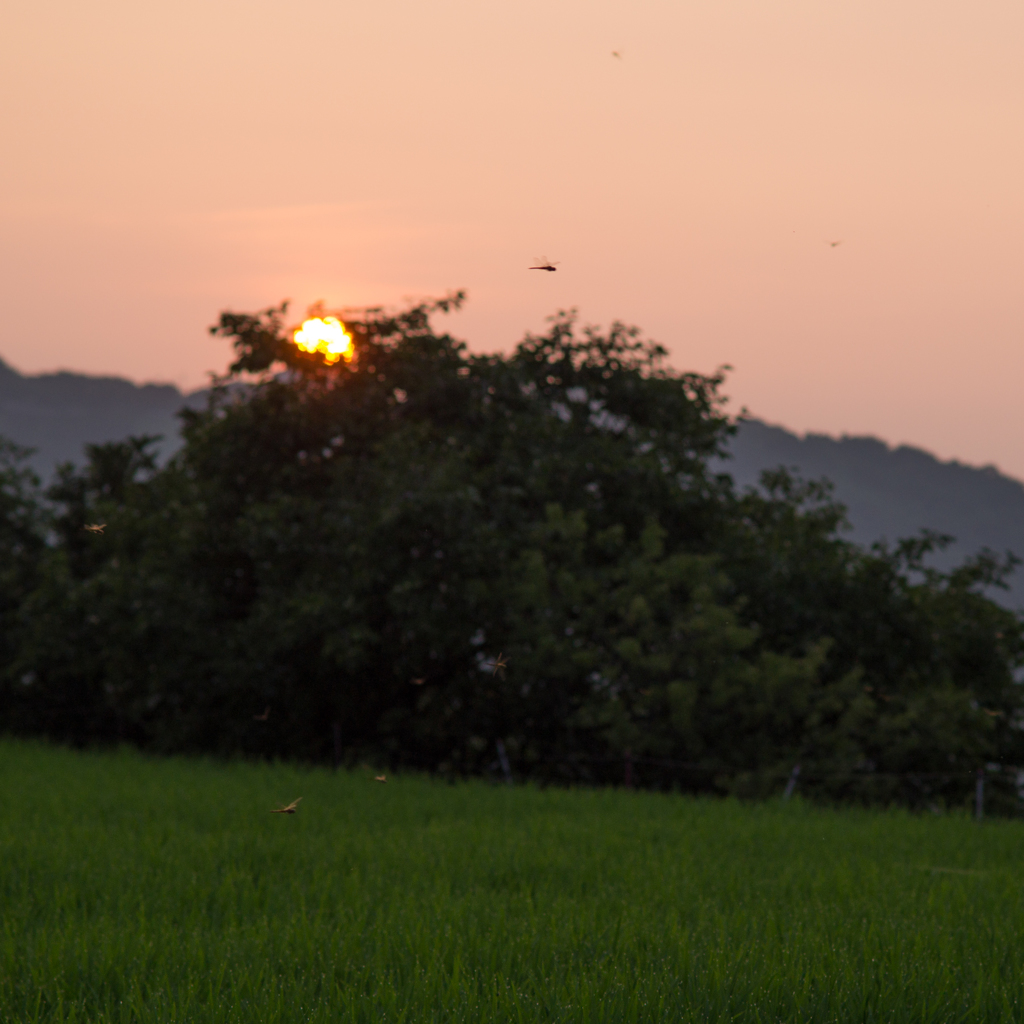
(163, 162)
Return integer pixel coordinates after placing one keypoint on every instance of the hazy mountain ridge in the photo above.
(895, 492)
(889, 492)
(57, 413)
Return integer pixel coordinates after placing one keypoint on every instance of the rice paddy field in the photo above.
(139, 889)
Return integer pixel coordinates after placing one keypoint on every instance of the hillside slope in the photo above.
(895, 492)
(57, 413)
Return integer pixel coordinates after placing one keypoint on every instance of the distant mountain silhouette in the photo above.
(896, 492)
(889, 492)
(58, 413)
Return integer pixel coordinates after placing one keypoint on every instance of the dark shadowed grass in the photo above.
(163, 890)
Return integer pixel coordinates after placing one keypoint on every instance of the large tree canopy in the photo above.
(354, 545)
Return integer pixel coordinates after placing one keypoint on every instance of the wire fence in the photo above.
(926, 788)
(630, 769)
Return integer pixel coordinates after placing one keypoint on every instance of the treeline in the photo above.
(361, 547)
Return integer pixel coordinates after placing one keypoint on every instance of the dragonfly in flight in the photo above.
(545, 264)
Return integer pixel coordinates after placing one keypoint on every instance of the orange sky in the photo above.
(165, 161)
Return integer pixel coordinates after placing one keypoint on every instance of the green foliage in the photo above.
(355, 544)
(136, 889)
(22, 532)
(920, 668)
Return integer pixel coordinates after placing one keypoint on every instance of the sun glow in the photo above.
(326, 335)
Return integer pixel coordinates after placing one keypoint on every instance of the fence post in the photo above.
(629, 769)
(503, 758)
(336, 731)
(791, 785)
(979, 795)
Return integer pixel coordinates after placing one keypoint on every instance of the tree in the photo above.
(354, 544)
(920, 673)
(22, 533)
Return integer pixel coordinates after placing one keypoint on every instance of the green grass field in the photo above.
(135, 889)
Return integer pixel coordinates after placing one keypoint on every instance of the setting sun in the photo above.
(326, 335)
